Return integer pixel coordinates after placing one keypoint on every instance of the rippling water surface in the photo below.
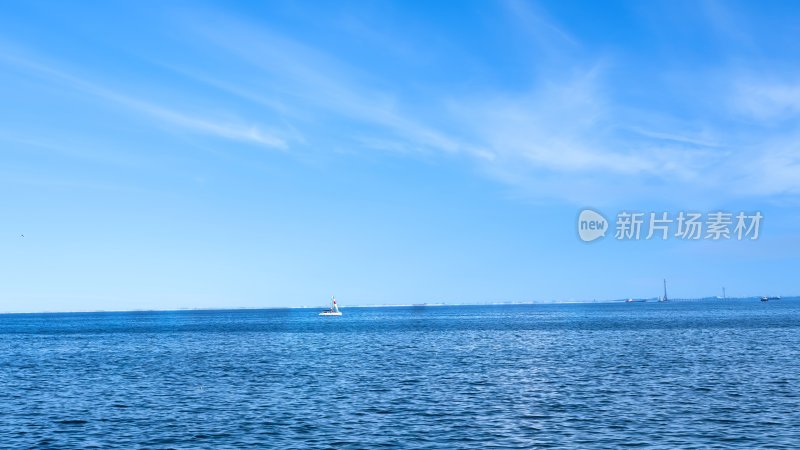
(674, 375)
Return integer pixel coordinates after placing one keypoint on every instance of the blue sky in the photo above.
(162, 155)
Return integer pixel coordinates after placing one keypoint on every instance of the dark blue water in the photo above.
(674, 375)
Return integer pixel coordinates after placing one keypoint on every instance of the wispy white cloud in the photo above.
(728, 25)
(765, 160)
(569, 134)
(238, 132)
(311, 80)
(564, 142)
(248, 133)
(766, 100)
(536, 24)
(566, 136)
(771, 167)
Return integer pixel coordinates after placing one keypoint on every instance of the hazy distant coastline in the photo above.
(404, 305)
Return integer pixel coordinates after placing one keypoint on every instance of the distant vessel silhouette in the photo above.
(767, 298)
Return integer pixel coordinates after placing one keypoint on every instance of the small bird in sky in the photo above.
(21, 235)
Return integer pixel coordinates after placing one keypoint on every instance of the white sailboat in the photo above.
(334, 311)
(664, 298)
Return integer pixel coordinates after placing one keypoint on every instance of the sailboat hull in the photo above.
(334, 311)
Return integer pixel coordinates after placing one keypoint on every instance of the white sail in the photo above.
(334, 311)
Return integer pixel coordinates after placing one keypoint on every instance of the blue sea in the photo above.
(691, 374)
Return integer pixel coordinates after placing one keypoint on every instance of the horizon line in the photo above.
(391, 305)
